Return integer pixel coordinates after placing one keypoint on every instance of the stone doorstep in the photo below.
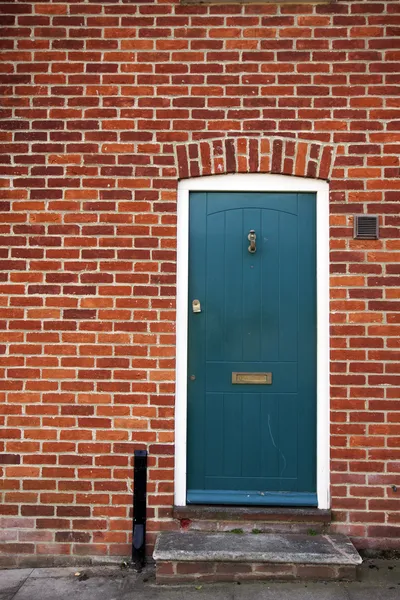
(197, 556)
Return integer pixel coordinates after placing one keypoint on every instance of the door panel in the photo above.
(250, 443)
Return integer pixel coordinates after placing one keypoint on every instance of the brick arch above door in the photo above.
(255, 155)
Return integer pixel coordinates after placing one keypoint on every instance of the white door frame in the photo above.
(256, 182)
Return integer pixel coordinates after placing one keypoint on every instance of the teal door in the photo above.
(252, 349)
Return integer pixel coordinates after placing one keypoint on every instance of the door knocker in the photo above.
(252, 239)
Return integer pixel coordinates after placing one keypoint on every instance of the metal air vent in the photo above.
(366, 227)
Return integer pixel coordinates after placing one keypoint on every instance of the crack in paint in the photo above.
(275, 446)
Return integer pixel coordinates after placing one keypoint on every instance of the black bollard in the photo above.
(139, 509)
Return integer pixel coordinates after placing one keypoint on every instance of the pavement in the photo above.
(379, 580)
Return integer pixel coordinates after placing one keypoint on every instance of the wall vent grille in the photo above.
(366, 227)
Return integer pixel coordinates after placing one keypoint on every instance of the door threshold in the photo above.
(252, 498)
(252, 513)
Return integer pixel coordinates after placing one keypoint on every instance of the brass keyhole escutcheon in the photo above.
(252, 239)
(196, 306)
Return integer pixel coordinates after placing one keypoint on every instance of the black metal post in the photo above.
(139, 509)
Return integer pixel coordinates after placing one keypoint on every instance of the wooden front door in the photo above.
(252, 349)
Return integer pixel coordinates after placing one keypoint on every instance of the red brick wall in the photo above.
(100, 101)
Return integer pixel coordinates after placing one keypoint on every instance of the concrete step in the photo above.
(209, 557)
(261, 519)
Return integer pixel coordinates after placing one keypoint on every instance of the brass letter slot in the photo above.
(252, 378)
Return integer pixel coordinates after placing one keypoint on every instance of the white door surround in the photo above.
(254, 182)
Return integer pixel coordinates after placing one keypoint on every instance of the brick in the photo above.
(232, 568)
(317, 572)
(183, 568)
(10, 459)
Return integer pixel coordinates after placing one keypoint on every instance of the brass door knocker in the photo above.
(252, 239)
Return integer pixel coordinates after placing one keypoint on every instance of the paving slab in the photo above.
(181, 592)
(290, 591)
(374, 593)
(246, 547)
(379, 571)
(11, 580)
(98, 571)
(67, 588)
(380, 580)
